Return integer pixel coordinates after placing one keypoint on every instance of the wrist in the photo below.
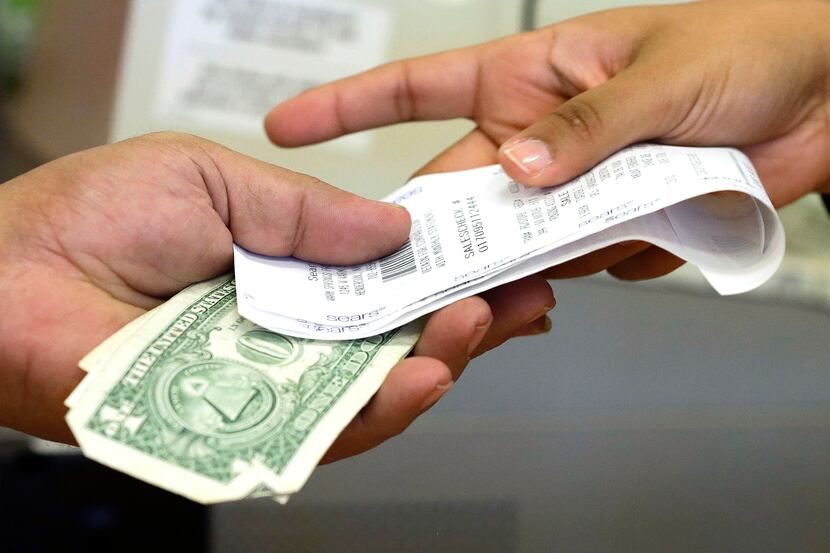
(9, 379)
(15, 343)
(823, 20)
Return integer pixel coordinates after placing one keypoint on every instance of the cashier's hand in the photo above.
(91, 241)
(550, 104)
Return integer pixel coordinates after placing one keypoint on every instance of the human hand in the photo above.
(550, 104)
(91, 241)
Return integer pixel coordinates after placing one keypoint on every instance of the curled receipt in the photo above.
(474, 230)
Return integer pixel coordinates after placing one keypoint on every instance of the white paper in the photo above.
(229, 62)
(474, 230)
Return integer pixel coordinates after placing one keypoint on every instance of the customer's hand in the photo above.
(551, 103)
(91, 241)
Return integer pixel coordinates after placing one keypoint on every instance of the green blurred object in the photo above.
(17, 21)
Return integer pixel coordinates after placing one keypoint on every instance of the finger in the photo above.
(514, 306)
(779, 163)
(277, 212)
(452, 333)
(542, 325)
(597, 261)
(588, 128)
(412, 387)
(439, 86)
(651, 263)
(475, 149)
(444, 348)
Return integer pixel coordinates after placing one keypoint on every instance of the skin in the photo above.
(93, 240)
(551, 103)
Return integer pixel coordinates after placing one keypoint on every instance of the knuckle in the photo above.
(315, 182)
(303, 183)
(580, 118)
(560, 40)
(168, 137)
(404, 98)
(174, 142)
(389, 431)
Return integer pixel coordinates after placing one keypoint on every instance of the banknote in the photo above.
(101, 354)
(200, 401)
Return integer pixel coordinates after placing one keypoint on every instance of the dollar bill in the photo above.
(99, 356)
(200, 401)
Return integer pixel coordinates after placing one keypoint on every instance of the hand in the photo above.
(91, 241)
(550, 104)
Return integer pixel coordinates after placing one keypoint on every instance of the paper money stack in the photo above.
(195, 399)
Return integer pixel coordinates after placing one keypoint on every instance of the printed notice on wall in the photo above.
(228, 62)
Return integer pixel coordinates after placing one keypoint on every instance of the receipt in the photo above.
(476, 229)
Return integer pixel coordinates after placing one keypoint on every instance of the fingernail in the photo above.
(396, 206)
(478, 336)
(530, 155)
(541, 325)
(437, 393)
(535, 322)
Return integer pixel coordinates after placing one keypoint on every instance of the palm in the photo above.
(119, 239)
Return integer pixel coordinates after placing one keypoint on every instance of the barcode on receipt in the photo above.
(398, 264)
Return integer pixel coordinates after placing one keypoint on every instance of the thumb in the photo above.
(273, 211)
(586, 129)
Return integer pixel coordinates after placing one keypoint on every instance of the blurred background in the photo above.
(654, 417)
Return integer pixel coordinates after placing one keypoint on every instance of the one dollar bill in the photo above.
(200, 401)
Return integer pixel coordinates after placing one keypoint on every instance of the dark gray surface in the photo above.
(390, 526)
(646, 421)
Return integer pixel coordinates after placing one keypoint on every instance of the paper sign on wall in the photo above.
(227, 63)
